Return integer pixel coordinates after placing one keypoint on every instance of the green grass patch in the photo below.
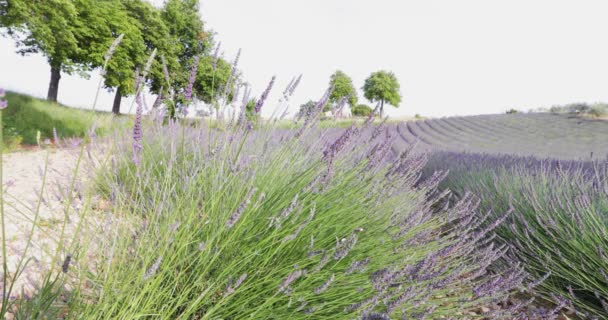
(25, 116)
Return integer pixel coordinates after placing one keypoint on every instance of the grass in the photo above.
(28, 116)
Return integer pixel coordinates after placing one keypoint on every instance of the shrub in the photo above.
(362, 110)
(262, 224)
(512, 111)
(559, 223)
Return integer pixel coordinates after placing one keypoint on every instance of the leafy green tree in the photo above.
(187, 38)
(155, 34)
(343, 87)
(210, 80)
(382, 86)
(145, 31)
(46, 27)
(307, 108)
(362, 110)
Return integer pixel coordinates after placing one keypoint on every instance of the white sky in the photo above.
(451, 57)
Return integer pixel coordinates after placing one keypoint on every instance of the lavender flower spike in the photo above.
(260, 103)
(113, 47)
(216, 55)
(137, 132)
(2, 92)
(192, 78)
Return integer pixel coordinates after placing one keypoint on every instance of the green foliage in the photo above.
(210, 81)
(250, 111)
(25, 116)
(362, 110)
(343, 87)
(308, 107)
(155, 35)
(130, 54)
(382, 86)
(512, 111)
(46, 27)
(187, 39)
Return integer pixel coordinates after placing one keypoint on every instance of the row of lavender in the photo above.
(546, 135)
(556, 219)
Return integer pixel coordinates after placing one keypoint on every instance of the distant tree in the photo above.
(382, 86)
(187, 39)
(155, 36)
(57, 30)
(512, 111)
(362, 110)
(128, 56)
(308, 107)
(213, 77)
(343, 87)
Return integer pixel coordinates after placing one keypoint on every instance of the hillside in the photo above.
(537, 134)
(26, 116)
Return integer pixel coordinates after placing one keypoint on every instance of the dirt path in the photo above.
(23, 181)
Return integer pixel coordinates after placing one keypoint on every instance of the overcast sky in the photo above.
(451, 57)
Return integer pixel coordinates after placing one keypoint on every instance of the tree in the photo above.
(130, 54)
(307, 109)
(343, 87)
(187, 39)
(382, 86)
(46, 27)
(362, 110)
(145, 31)
(210, 80)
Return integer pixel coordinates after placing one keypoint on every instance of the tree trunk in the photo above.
(382, 108)
(117, 100)
(54, 84)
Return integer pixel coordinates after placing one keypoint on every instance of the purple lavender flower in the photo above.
(233, 69)
(295, 85)
(239, 211)
(291, 278)
(192, 78)
(3, 104)
(153, 269)
(216, 55)
(2, 92)
(260, 103)
(137, 132)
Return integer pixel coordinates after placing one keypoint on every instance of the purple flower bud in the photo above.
(153, 269)
(216, 55)
(260, 103)
(2, 93)
(191, 79)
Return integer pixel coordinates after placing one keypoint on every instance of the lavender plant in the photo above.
(276, 224)
(559, 226)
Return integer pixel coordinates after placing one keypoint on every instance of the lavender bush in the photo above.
(290, 224)
(559, 223)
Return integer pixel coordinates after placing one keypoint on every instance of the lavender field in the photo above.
(209, 194)
(558, 136)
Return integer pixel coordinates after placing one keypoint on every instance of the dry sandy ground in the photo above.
(23, 182)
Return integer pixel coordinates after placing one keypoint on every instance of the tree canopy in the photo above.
(342, 88)
(383, 87)
(49, 28)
